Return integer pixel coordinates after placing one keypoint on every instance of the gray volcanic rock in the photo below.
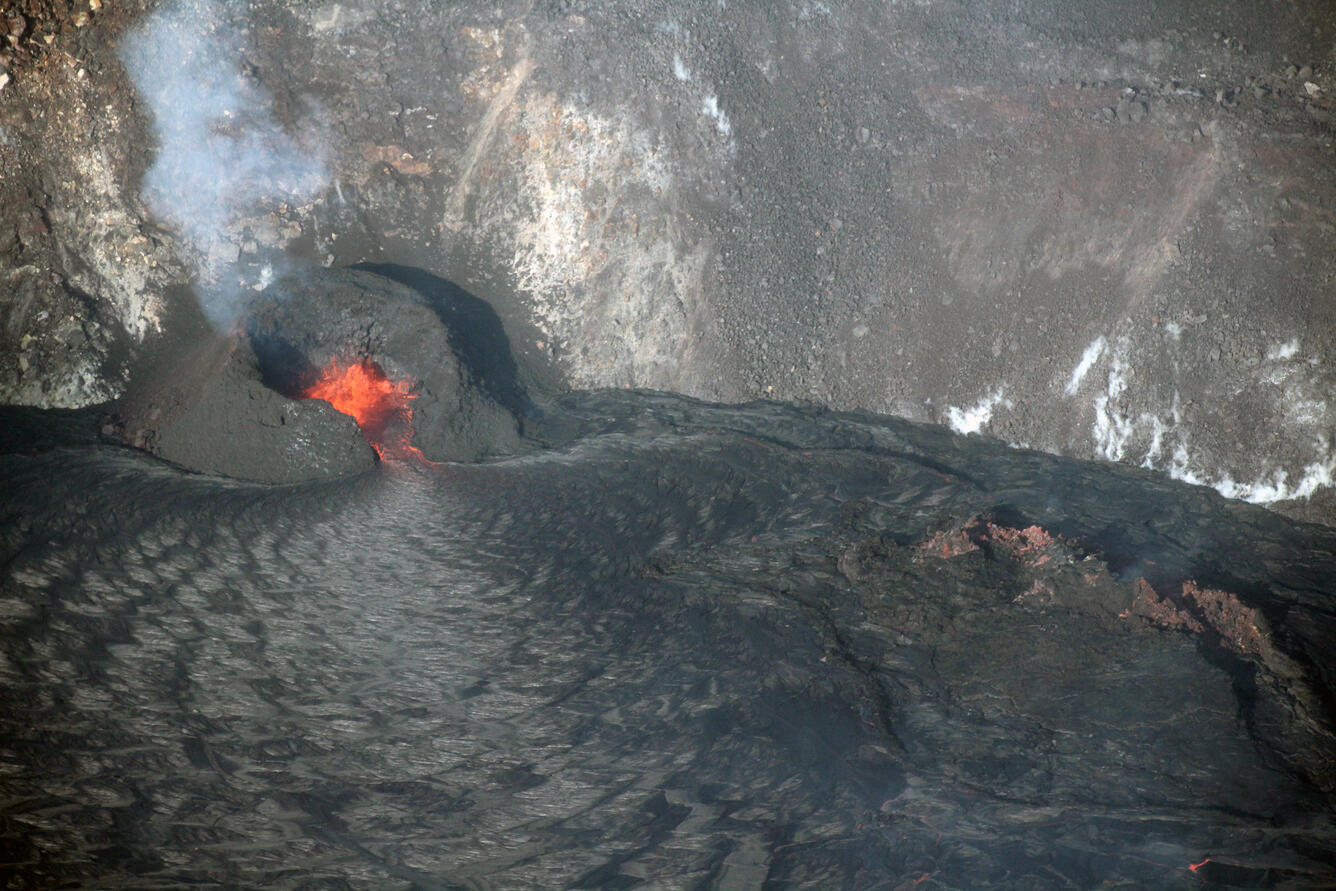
(59, 358)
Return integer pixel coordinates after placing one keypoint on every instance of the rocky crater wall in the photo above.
(1103, 230)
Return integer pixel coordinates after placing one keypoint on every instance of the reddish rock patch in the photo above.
(1156, 610)
(1236, 623)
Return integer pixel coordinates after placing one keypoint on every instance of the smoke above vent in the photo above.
(222, 157)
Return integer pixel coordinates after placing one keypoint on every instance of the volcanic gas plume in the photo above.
(380, 406)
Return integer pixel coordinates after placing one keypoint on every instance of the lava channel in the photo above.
(380, 406)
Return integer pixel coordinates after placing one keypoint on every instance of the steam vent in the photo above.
(747, 445)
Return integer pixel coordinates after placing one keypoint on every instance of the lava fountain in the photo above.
(381, 407)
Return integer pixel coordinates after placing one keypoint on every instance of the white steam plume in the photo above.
(221, 157)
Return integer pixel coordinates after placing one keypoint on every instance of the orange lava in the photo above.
(379, 405)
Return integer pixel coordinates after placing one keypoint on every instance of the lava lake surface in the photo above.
(695, 646)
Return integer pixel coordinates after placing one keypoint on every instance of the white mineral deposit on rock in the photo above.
(973, 419)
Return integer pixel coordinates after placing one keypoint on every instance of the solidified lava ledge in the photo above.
(350, 535)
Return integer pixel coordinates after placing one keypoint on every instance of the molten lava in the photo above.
(379, 405)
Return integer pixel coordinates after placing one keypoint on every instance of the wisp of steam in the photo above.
(222, 157)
